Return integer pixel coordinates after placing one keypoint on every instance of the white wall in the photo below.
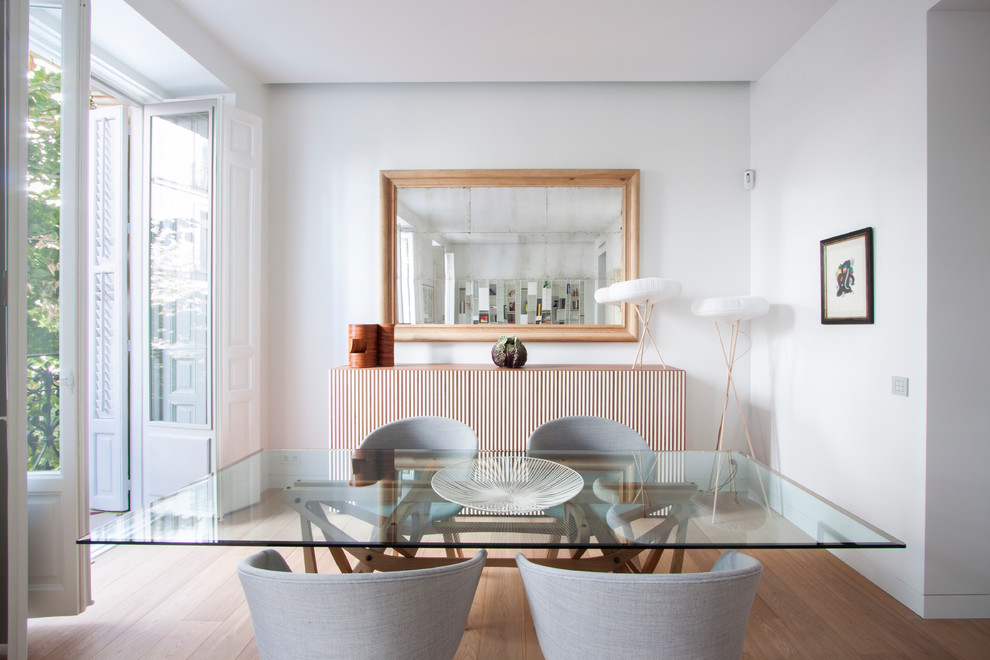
(327, 144)
(957, 518)
(839, 143)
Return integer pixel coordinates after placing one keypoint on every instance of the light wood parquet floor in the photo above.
(186, 602)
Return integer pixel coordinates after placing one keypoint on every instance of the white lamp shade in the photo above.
(645, 290)
(603, 297)
(731, 308)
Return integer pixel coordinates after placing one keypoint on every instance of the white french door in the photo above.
(174, 358)
(196, 367)
(58, 569)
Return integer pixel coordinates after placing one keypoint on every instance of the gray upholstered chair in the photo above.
(439, 433)
(418, 614)
(412, 433)
(581, 432)
(581, 614)
(585, 432)
(433, 433)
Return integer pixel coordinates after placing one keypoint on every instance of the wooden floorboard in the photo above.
(180, 602)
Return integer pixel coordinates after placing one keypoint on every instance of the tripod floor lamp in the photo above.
(643, 294)
(731, 311)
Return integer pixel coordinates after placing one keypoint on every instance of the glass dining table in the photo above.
(398, 509)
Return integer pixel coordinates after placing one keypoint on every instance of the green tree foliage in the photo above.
(44, 148)
(44, 145)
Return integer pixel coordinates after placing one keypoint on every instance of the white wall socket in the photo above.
(899, 385)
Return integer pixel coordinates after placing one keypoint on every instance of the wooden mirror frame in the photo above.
(393, 180)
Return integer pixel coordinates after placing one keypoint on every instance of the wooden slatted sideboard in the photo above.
(504, 406)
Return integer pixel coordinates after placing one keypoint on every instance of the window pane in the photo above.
(44, 218)
(180, 264)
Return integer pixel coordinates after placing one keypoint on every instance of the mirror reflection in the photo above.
(507, 255)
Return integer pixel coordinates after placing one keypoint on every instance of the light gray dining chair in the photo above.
(410, 615)
(430, 433)
(413, 433)
(437, 433)
(581, 432)
(580, 614)
(585, 432)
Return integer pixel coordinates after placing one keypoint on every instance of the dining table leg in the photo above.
(340, 558)
(309, 559)
(652, 560)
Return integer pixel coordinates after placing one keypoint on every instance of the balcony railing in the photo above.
(43, 412)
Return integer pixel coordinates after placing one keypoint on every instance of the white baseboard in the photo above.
(957, 606)
(880, 576)
(928, 606)
(286, 467)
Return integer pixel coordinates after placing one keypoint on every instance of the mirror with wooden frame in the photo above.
(470, 255)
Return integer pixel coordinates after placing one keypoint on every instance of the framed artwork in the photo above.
(847, 277)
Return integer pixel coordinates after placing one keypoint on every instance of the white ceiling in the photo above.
(126, 42)
(314, 41)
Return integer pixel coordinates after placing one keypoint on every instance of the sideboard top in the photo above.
(528, 367)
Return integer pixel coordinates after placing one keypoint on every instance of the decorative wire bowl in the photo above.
(507, 484)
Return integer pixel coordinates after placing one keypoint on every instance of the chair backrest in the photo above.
(441, 433)
(417, 614)
(580, 614)
(585, 432)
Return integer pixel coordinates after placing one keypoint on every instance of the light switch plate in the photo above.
(899, 385)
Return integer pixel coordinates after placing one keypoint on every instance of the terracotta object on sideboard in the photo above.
(386, 345)
(369, 466)
(362, 345)
(370, 345)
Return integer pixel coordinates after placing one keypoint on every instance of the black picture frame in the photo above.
(847, 289)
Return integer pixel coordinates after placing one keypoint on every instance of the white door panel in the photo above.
(107, 477)
(108, 446)
(239, 286)
(44, 568)
(173, 459)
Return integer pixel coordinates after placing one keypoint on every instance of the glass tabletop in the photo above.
(422, 499)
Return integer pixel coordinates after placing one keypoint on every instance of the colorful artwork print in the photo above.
(847, 278)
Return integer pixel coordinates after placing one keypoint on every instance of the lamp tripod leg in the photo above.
(721, 426)
(646, 327)
(641, 347)
(730, 359)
